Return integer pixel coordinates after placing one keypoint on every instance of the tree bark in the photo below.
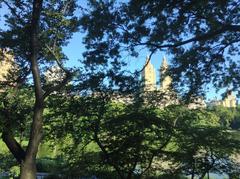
(14, 147)
(28, 169)
(28, 165)
(8, 138)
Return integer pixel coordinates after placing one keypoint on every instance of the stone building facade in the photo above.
(229, 101)
(6, 63)
(149, 76)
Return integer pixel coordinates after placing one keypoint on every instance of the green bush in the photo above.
(49, 165)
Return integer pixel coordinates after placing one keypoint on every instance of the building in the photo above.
(7, 63)
(165, 79)
(149, 76)
(196, 103)
(229, 100)
(162, 95)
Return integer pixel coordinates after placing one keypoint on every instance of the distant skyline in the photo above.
(75, 49)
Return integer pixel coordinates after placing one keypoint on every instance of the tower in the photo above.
(165, 79)
(149, 76)
(230, 100)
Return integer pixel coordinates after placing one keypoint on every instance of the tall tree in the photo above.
(128, 138)
(203, 36)
(35, 34)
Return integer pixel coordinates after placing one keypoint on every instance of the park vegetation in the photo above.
(87, 136)
(69, 125)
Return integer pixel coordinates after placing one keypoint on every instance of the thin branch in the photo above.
(206, 36)
(13, 11)
(103, 149)
(148, 60)
(52, 50)
(149, 164)
(68, 75)
(64, 10)
(57, 59)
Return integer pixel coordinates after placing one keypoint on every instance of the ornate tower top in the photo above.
(164, 63)
(165, 79)
(149, 76)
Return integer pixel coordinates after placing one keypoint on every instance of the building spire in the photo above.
(164, 62)
(165, 79)
(149, 76)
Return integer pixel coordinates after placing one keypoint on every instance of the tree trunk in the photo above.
(28, 169)
(28, 165)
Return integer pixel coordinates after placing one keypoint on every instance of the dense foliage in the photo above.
(131, 141)
(86, 131)
(202, 36)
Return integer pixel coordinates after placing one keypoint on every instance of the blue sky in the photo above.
(75, 48)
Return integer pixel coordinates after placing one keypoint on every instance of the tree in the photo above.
(35, 34)
(226, 115)
(127, 138)
(129, 142)
(201, 145)
(204, 150)
(202, 36)
(235, 124)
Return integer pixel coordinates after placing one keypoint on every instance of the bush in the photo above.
(49, 165)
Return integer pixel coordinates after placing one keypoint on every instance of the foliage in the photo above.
(49, 165)
(96, 135)
(125, 137)
(129, 140)
(204, 148)
(226, 115)
(35, 33)
(57, 25)
(202, 36)
(132, 140)
(7, 161)
(229, 117)
(18, 102)
(235, 124)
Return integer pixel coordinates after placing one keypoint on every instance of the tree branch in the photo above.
(13, 11)
(206, 36)
(68, 75)
(148, 60)
(7, 137)
(36, 127)
(14, 147)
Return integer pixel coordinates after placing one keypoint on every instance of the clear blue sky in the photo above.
(75, 48)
